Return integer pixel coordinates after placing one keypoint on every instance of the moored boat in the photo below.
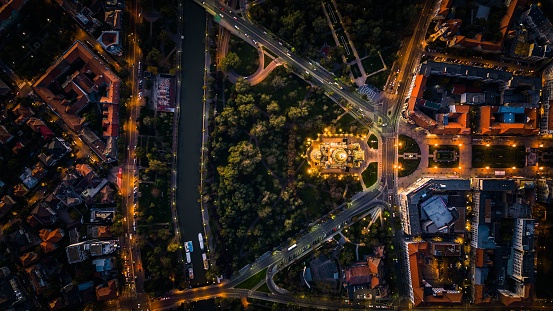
(206, 264)
(201, 239)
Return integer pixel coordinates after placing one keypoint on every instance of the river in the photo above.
(190, 138)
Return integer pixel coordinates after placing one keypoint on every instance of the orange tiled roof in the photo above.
(445, 5)
(28, 258)
(488, 45)
(418, 292)
(20, 190)
(489, 125)
(102, 76)
(418, 90)
(56, 304)
(104, 232)
(84, 169)
(358, 275)
(373, 264)
(479, 258)
(47, 246)
(107, 292)
(51, 235)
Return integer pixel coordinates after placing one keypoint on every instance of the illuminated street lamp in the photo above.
(514, 145)
(487, 167)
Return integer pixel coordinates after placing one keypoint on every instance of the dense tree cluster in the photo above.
(300, 23)
(371, 24)
(257, 153)
(377, 24)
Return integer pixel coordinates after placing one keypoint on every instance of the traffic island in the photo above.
(409, 154)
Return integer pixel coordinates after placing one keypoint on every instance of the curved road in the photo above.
(362, 204)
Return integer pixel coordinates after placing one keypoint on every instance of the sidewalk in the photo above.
(465, 144)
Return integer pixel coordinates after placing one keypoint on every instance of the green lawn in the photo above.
(378, 80)
(373, 142)
(249, 58)
(355, 71)
(267, 59)
(372, 64)
(407, 167)
(407, 144)
(445, 153)
(498, 156)
(264, 288)
(370, 175)
(253, 280)
(545, 157)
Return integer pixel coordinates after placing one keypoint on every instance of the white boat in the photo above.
(188, 259)
(191, 273)
(188, 246)
(206, 264)
(201, 239)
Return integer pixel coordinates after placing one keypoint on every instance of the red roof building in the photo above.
(23, 113)
(79, 87)
(52, 236)
(107, 291)
(356, 275)
(28, 258)
(420, 291)
(56, 304)
(499, 120)
(479, 43)
(453, 123)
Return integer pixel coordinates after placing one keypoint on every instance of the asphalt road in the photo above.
(129, 186)
(249, 32)
(363, 204)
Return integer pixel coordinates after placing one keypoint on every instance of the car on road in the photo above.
(236, 27)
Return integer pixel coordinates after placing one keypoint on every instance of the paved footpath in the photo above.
(465, 143)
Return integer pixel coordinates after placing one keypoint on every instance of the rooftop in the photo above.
(338, 154)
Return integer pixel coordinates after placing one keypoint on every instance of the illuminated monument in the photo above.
(338, 154)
